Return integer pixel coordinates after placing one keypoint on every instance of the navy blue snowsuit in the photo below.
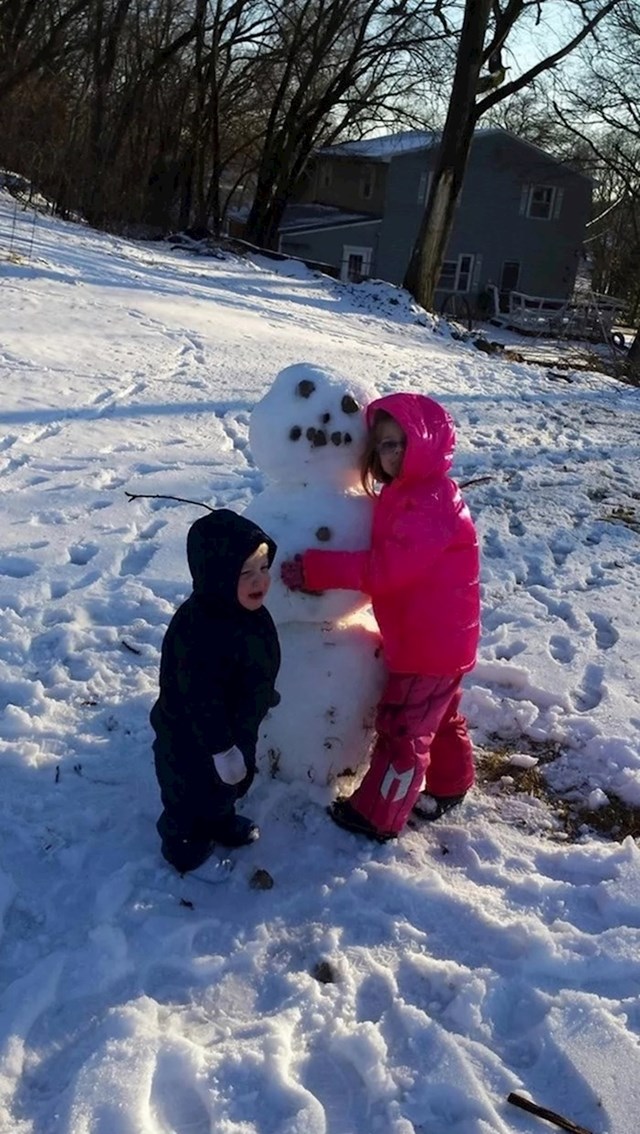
(218, 669)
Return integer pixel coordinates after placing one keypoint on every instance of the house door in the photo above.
(508, 281)
(356, 263)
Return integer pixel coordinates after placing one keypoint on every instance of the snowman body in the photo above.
(307, 435)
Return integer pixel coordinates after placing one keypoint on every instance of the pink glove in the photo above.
(292, 573)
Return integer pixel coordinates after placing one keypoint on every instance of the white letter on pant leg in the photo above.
(403, 781)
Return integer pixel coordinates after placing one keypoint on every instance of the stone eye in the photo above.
(349, 404)
(305, 388)
(295, 433)
(336, 438)
(323, 534)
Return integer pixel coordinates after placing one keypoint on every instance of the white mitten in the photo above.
(230, 766)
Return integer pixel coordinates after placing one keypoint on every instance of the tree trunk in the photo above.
(428, 253)
(270, 198)
(265, 215)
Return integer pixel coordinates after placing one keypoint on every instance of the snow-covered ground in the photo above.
(475, 957)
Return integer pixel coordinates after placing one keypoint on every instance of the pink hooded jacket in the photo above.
(422, 568)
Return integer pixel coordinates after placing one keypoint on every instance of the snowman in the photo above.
(307, 434)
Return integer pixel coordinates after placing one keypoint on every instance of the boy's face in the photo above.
(254, 581)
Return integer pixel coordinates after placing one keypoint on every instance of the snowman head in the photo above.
(309, 428)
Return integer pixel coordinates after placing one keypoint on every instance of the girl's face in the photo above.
(254, 580)
(391, 443)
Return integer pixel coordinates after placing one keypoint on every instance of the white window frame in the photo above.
(552, 191)
(461, 271)
(349, 250)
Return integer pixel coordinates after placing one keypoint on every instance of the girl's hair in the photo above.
(371, 471)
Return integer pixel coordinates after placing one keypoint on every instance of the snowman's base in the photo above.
(330, 683)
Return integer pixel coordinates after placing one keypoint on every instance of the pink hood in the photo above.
(431, 435)
(422, 569)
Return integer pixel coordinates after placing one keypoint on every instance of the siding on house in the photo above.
(403, 211)
(355, 184)
(491, 223)
(327, 245)
(492, 220)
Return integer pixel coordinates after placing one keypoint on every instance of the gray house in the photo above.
(520, 219)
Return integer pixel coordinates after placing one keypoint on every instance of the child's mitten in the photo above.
(230, 766)
(292, 573)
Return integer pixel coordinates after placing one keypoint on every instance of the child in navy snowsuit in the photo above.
(220, 659)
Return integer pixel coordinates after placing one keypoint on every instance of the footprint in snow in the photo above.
(606, 634)
(17, 566)
(137, 559)
(561, 649)
(152, 529)
(510, 650)
(81, 553)
(537, 575)
(590, 693)
(493, 546)
(561, 550)
(559, 608)
(176, 1104)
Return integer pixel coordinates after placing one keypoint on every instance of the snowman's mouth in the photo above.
(320, 437)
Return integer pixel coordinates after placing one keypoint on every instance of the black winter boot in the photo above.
(185, 854)
(347, 817)
(432, 807)
(235, 831)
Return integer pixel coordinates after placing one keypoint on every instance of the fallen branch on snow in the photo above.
(160, 496)
(476, 480)
(548, 1115)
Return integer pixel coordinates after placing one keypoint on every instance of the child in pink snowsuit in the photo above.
(421, 572)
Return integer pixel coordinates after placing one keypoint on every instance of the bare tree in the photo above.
(127, 58)
(602, 110)
(34, 34)
(229, 60)
(486, 28)
(154, 110)
(333, 62)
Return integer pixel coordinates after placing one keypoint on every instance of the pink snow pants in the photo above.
(422, 739)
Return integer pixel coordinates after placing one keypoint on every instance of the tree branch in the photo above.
(545, 64)
(159, 496)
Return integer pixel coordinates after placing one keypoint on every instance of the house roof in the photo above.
(300, 218)
(387, 146)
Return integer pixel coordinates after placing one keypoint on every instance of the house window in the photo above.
(356, 263)
(541, 202)
(455, 275)
(366, 185)
(424, 185)
(447, 281)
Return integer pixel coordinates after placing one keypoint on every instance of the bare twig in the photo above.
(548, 1115)
(475, 480)
(133, 649)
(160, 496)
